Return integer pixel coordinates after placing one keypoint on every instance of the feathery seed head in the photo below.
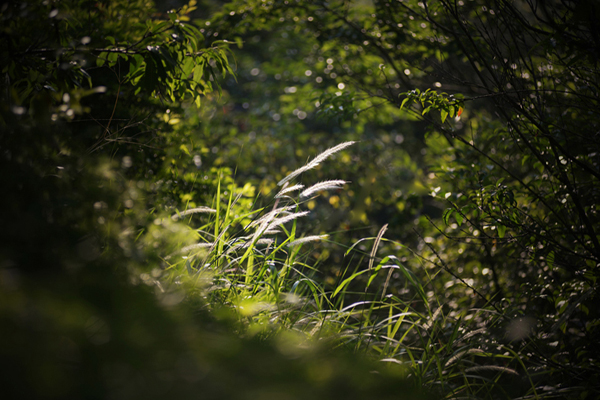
(307, 239)
(286, 190)
(196, 210)
(316, 161)
(325, 185)
(287, 218)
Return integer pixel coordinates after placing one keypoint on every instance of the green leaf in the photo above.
(135, 67)
(188, 67)
(184, 148)
(459, 218)
(193, 32)
(444, 115)
(112, 59)
(198, 72)
(447, 214)
(501, 230)
(404, 102)
(101, 59)
(156, 28)
(550, 259)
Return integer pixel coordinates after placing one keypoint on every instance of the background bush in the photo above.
(462, 250)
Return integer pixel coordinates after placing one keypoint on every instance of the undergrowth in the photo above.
(252, 265)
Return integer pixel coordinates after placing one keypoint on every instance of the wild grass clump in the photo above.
(250, 264)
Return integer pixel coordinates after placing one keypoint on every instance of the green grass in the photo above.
(252, 266)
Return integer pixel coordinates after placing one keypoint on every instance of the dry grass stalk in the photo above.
(376, 245)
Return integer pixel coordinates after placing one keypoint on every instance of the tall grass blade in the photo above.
(218, 205)
(346, 281)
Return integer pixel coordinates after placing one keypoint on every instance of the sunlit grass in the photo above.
(254, 264)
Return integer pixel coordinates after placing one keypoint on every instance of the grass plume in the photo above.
(196, 210)
(307, 239)
(287, 190)
(325, 185)
(316, 161)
